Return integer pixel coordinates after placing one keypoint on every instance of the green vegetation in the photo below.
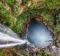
(14, 8)
(58, 22)
(3, 53)
(24, 2)
(6, 16)
(48, 9)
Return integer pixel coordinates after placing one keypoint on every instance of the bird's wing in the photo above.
(8, 31)
(8, 41)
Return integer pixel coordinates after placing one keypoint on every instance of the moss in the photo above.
(40, 8)
(52, 4)
(22, 18)
(58, 23)
(24, 2)
(48, 4)
(42, 53)
(24, 53)
(11, 3)
(7, 17)
(15, 10)
(39, 4)
(3, 53)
